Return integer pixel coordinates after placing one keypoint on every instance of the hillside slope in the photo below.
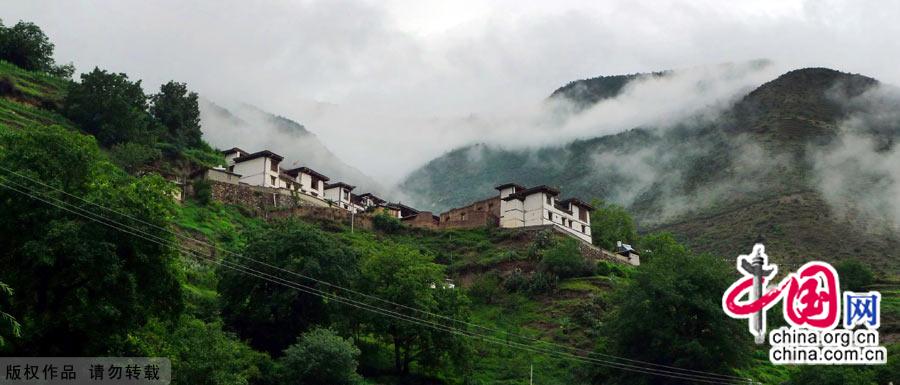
(717, 184)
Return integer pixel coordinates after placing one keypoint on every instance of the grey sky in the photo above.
(371, 77)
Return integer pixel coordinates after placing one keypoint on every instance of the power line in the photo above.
(191, 251)
(292, 284)
(531, 339)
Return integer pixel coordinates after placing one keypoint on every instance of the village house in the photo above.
(366, 202)
(540, 205)
(339, 193)
(256, 169)
(516, 206)
(310, 181)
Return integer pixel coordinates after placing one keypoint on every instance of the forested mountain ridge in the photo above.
(767, 151)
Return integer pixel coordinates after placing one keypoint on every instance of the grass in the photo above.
(224, 225)
(34, 87)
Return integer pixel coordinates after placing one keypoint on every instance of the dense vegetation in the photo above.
(233, 299)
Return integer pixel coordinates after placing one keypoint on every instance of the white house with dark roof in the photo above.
(311, 182)
(339, 193)
(540, 205)
(260, 168)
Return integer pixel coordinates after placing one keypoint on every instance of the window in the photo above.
(549, 200)
(549, 215)
(346, 195)
(584, 229)
(274, 165)
(231, 168)
(273, 181)
(582, 214)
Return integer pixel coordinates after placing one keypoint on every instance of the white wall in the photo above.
(257, 172)
(534, 211)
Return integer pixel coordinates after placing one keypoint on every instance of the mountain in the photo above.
(806, 160)
(253, 129)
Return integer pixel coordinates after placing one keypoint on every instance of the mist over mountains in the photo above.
(807, 159)
(253, 129)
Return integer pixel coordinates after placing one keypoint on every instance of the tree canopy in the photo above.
(95, 283)
(270, 315)
(177, 110)
(681, 293)
(320, 357)
(110, 107)
(611, 223)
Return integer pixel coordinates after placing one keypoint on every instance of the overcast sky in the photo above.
(371, 76)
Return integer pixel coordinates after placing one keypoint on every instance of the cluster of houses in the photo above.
(514, 206)
(264, 169)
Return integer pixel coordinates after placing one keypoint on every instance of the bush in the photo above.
(387, 224)
(537, 283)
(854, 275)
(610, 269)
(132, 156)
(486, 288)
(565, 260)
(320, 357)
(202, 191)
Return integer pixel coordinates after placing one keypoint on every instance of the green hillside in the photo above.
(694, 178)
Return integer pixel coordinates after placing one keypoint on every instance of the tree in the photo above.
(270, 315)
(403, 275)
(565, 260)
(681, 294)
(110, 107)
(176, 109)
(131, 156)
(320, 357)
(9, 328)
(854, 275)
(26, 46)
(201, 353)
(611, 223)
(660, 244)
(81, 287)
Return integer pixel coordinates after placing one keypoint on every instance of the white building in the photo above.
(538, 206)
(339, 193)
(311, 182)
(367, 201)
(256, 169)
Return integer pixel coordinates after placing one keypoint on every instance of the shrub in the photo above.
(202, 191)
(320, 357)
(132, 156)
(387, 224)
(565, 260)
(486, 288)
(854, 275)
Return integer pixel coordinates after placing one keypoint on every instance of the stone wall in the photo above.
(330, 214)
(423, 219)
(258, 199)
(482, 213)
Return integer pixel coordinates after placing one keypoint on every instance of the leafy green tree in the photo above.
(110, 107)
(682, 295)
(177, 110)
(663, 243)
(405, 276)
(132, 156)
(270, 315)
(565, 260)
(611, 223)
(201, 353)
(81, 286)
(320, 357)
(854, 275)
(26, 46)
(9, 328)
